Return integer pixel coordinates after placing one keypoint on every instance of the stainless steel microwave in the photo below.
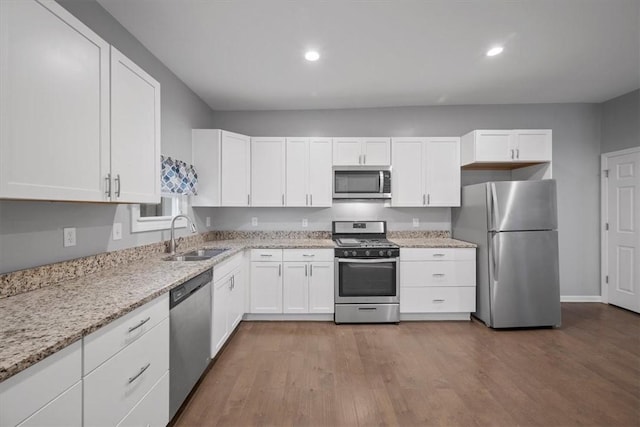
(362, 182)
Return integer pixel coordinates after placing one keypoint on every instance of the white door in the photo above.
(296, 177)
(219, 314)
(493, 146)
(295, 288)
(267, 171)
(135, 132)
(347, 151)
(320, 189)
(266, 287)
(532, 145)
(54, 105)
(321, 287)
(236, 170)
(623, 236)
(376, 151)
(407, 180)
(442, 171)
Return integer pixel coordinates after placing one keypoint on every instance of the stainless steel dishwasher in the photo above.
(190, 336)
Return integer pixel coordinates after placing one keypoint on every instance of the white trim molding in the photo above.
(580, 298)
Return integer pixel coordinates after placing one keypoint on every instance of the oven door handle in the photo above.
(367, 261)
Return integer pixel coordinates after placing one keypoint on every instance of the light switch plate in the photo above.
(117, 231)
(254, 221)
(68, 237)
(207, 221)
(305, 222)
(416, 222)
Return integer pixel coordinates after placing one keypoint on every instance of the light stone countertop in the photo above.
(36, 324)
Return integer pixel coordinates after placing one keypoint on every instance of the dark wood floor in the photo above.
(427, 373)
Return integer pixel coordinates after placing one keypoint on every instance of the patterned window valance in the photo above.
(178, 177)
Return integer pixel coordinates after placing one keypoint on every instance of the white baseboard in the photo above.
(580, 298)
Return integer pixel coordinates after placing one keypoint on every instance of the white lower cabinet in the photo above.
(437, 280)
(266, 287)
(47, 391)
(152, 410)
(228, 300)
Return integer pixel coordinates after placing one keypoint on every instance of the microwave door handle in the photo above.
(381, 182)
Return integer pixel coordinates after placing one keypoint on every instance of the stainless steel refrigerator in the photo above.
(514, 224)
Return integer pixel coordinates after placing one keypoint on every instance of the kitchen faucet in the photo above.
(172, 242)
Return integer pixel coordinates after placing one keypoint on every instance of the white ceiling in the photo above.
(248, 54)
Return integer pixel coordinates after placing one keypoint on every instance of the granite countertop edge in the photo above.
(20, 351)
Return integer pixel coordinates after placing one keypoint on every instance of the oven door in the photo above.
(366, 280)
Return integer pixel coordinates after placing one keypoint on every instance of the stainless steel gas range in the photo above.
(366, 273)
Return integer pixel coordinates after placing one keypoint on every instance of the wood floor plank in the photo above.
(586, 372)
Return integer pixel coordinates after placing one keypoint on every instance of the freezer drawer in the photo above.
(523, 279)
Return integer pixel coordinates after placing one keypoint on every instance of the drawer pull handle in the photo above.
(438, 300)
(367, 308)
(135, 377)
(142, 322)
(308, 255)
(438, 255)
(438, 274)
(266, 254)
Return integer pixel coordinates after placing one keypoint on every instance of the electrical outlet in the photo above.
(416, 222)
(207, 221)
(305, 222)
(68, 237)
(254, 221)
(116, 233)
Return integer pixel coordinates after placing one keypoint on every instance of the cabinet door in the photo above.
(321, 287)
(220, 309)
(493, 145)
(295, 287)
(533, 145)
(407, 178)
(320, 188)
(266, 287)
(347, 151)
(236, 302)
(297, 172)
(236, 170)
(267, 171)
(153, 409)
(376, 151)
(54, 105)
(442, 171)
(135, 132)
(63, 411)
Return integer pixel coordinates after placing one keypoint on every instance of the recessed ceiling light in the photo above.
(495, 51)
(312, 55)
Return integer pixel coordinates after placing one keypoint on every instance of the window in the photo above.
(149, 217)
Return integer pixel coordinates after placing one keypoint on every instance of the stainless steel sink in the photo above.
(197, 255)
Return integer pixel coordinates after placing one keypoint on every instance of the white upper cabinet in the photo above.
(76, 121)
(362, 151)
(308, 172)
(222, 160)
(54, 107)
(426, 172)
(135, 132)
(506, 147)
(267, 171)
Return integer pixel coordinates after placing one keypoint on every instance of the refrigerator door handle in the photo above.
(495, 214)
(495, 249)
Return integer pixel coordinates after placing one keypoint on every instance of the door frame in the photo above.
(604, 217)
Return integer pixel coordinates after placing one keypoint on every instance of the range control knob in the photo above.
(381, 253)
(346, 253)
(354, 253)
(389, 252)
(367, 253)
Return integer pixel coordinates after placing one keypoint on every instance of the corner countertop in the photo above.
(38, 323)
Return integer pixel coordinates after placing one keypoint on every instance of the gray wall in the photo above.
(621, 122)
(576, 150)
(31, 232)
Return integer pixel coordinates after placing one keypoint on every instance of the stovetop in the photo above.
(364, 243)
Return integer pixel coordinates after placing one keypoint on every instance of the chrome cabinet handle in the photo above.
(428, 199)
(517, 153)
(308, 255)
(135, 377)
(438, 274)
(279, 270)
(364, 159)
(424, 199)
(266, 255)
(118, 185)
(248, 199)
(108, 185)
(306, 200)
(310, 199)
(438, 300)
(282, 199)
(512, 154)
(305, 270)
(360, 159)
(142, 322)
(310, 269)
(438, 255)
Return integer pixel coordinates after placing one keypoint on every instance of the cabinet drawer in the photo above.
(25, 393)
(153, 409)
(107, 341)
(443, 273)
(437, 254)
(64, 411)
(266, 254)
(227, 266)
(436, 299)
(308, 255)
(111, 390)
